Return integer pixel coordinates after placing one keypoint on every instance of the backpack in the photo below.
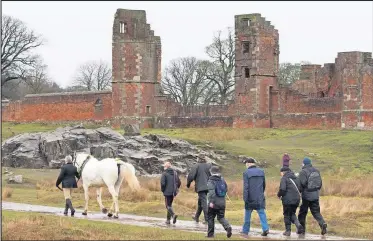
(220, 188)
(314, 181)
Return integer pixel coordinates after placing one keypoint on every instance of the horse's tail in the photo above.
(127, 171)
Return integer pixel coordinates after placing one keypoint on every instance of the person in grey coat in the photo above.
(200, 174)
(67, 177)
(311, 183)
(289, 193)
(216, 203)
(170, 184)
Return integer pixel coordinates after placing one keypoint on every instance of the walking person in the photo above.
(170, 184)
(289, 193)
(200, 174)
(253, 195)
(217, 190)
(67, 177)
(286, 160)
(311, 182)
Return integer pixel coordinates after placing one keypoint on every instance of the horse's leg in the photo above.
(99, 200)
(117, 188)
(110, 214)
(86, 196)
(114, 194)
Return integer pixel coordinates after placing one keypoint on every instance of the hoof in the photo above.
(84, 213)
(110, 215)
(116, 217)
(104, 210)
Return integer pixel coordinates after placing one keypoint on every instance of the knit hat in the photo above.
(215, 170)
(249, 160)
(285, 169)
(307, 161)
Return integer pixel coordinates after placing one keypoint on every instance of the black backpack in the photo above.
(313, 180)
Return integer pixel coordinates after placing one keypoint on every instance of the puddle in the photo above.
(144, 221)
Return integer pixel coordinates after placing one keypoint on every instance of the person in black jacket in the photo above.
(170, 184)
(289, 193)
(311, 182)
(67, 177)
(200, 173)
(216, 204)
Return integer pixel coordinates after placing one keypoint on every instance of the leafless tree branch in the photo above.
(93, 75)
(17, 44)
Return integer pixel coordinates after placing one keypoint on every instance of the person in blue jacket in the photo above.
(253, 194)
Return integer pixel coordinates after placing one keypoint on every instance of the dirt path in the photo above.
(157, 222)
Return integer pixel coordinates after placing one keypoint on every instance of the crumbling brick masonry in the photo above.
(335, 95)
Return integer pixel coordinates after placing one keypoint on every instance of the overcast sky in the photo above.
(77, 32)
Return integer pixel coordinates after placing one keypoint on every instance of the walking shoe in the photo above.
(72, 212)
(195, 219)
(323, 229)
(174, 219)
(167, 222)
(243, 235)
(265, 233)
(300, 229)
(229, 232)
(286, 233)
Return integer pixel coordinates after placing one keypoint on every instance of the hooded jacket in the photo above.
(287, 191)
(303, 178)
(200, 173)
(170, 182)
(253, 188)
(219, 202)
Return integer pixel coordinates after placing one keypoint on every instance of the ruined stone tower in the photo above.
(257, 64)
(136, 60)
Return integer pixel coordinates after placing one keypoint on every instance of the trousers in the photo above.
(211, 214)
(202, 205)
(314, 207)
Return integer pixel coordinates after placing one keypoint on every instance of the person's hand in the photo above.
(188, 185)
(211, 205)
(59, 188)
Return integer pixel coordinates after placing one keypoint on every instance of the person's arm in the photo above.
(211, 192)
(191, 176)
(60, 177)
(245, 187)
(282, 189)
(163, 182)
(321, 180)
(264, 183)
(77, 173)
(178, 181)
(303, 179)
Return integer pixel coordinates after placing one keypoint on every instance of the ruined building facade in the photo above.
(335, 95)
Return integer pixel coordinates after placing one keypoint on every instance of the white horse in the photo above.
(109, 172)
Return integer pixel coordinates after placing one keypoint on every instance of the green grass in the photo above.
(29, 226)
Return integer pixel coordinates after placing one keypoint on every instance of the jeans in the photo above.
(314, 206)
(202, 205)
(219, 213)
(262, 217)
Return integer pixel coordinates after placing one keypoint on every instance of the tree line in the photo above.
(188, 80)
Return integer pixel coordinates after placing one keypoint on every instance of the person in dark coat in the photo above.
(289, 193)
(286, 160)
(310, 177)
(216, 204)
(253, 195)
(170, 184)
(67, 177)
(200, 174)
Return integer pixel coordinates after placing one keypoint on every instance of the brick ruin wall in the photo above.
(335, 95)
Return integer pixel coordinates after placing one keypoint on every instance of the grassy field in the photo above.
(344, 157)
(31, 226)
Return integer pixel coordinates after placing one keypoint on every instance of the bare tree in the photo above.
(94, 75)
(221, 70)
(289, 72)
(185, 80)
(17, 45)
(37, 79)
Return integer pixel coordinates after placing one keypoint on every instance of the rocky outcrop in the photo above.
(147, 153)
